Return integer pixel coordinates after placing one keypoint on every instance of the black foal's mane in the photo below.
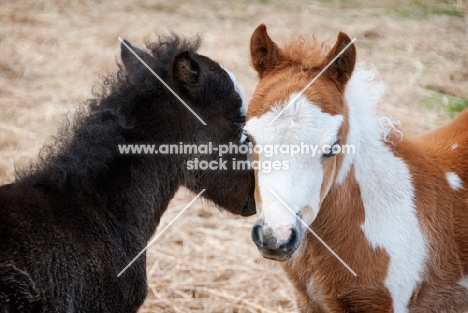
(88, 141)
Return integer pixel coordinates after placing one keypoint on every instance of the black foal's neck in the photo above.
(138, 190)
(84, 161)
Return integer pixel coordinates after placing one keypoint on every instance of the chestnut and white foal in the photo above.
(395, 210)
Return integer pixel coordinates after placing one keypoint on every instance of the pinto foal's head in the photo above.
(317, 116)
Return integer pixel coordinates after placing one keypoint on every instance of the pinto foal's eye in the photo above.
(334, 149)
(244, 138)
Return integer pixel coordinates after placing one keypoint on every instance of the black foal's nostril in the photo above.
(257, 235)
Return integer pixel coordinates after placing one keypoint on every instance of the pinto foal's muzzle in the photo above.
(277, 243)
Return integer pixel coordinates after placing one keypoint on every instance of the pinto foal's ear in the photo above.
(264, 53)
(186, 71)
(343, 67)
(129, 60)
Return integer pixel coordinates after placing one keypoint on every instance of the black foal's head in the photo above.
(213, 94)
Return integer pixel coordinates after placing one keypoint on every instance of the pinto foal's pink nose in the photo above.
(283, 232)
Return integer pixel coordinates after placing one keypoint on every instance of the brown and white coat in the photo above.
(395, 210)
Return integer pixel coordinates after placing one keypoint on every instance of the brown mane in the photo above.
(306, 53)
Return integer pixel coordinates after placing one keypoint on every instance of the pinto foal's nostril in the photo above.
(257, 235)
(293, 239)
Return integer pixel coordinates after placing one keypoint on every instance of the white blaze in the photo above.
(298, 186)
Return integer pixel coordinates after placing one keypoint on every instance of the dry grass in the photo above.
(53, 52)
(206, 263)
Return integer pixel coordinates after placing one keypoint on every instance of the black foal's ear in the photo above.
(129, 60)
(186, 72)
(264, 53)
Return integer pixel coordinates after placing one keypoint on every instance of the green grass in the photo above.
(451, 105)
(413, 10)
(9, 116)
(423, 11)
(449, 12)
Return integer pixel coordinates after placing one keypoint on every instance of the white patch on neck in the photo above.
(387, 192)
(362, 95)
(454, 180)
(454, 146)
(464, 282)
(239, 90)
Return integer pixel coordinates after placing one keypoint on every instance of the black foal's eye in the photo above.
(238, 121)
(334, 149)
